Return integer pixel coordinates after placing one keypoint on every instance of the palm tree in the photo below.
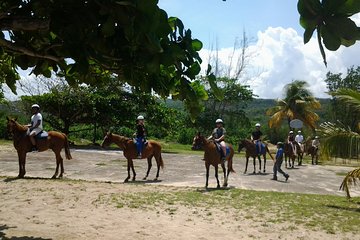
(340, 141)
(298, 103)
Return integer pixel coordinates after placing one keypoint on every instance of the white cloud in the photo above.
(281, 57)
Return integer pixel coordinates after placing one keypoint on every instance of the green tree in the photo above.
(341, 141)
(81, 40)
(336, 82)
(298, 103)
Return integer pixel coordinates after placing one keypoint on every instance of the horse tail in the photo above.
(230, 163)
(267, 149)
(161, 162)
(66, 147)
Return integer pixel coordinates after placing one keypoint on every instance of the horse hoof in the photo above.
(244, 172)
(126, 180)
(225, 185)
(53, 177)
(218, 186)
(144, 178)
(155, 179)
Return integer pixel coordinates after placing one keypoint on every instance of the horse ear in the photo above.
(15, 119)
(7, 118)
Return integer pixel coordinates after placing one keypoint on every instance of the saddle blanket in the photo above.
(218, 148)
(41, 135)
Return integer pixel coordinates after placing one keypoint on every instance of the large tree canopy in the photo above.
(84, 39)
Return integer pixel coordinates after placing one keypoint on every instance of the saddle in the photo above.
(42, 135)
(218, 148)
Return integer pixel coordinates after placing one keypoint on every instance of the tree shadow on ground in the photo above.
(351, 209)
(143, 181)
(3, 235)
(11, 179)
(209, 189)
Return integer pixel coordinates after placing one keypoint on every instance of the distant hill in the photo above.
(257, 108)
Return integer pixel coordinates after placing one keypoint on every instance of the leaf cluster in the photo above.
(331, 20)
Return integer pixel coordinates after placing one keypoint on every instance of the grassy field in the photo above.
(329, 213)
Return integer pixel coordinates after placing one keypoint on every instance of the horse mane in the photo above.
(19, 127)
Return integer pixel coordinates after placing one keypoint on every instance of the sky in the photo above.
(278, 54)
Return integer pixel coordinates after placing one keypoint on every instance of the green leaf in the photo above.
(216, 90)
(308, 34)
(309, 8)
(350, 7)
(193, 70)
(196, 45)
(331, 40)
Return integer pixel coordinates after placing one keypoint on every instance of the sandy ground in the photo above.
(39, 208)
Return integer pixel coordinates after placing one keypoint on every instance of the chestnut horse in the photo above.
(290, 156)
(251, 152)
(55, 141)
(152, 149)
(213, 157)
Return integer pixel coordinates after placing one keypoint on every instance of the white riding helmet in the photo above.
(219, 120)
(291, 132)
(299, 131)
(35, 106)
(257, 125)
(316, 137)
(140, 117)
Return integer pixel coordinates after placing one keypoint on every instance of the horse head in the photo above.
(197, 142)
(107, 140)
(13, 126)
(243, 144)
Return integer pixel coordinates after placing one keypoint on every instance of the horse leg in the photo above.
(149, 167)
(133, 170)
(246, 165)
(207, 166)
(254, 161)
(264, 163)
(293, 161)
(58, 162)
(128, 170)
(217, 175)
(259, 157)
(158, 161)
(225, 175)
(22, 160)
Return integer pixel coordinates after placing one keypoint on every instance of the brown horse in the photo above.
(213, 157)
(251, 152)
(152, 149)
(290, 155)
(55, 141)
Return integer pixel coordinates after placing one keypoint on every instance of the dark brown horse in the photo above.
(290, 155)
(152, 149)
(213, 157)
(55, 141)
(251, 152)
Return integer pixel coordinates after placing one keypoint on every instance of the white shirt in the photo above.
(35, 118)
(315, 143)
(299, 138)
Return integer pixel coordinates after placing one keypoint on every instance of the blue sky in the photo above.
(278, 54)
(215, 19)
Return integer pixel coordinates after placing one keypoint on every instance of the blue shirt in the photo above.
(279, 154)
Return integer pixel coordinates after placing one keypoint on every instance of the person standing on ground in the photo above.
(278, 161)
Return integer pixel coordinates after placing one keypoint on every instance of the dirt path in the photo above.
(37, 208)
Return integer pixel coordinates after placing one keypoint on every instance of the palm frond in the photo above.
(350, 179)
(349, 97)
(339, 141)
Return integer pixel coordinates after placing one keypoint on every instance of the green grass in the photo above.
(331, 214)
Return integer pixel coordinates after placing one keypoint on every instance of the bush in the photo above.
(186, 135)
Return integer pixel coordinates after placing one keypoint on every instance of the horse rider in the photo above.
(291, 141)
(140, 135)
(299, 138)
(218, 135)
(316, 143)
(36, 125)
(256, 138)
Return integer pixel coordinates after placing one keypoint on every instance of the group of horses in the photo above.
(57, 141)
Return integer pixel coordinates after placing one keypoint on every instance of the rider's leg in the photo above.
(138, 146)
(33, 141)
(223, 147)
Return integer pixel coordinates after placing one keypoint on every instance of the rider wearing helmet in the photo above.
(140, 135)
(299, 139)
(36, 125)
(218, 135)
(291, 140)
(256, 137)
